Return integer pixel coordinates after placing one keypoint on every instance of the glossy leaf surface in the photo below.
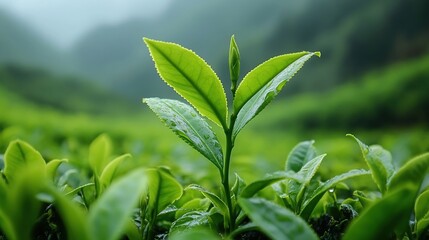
(258, 185)
(380, 219)
(217, 202)
(262, 84)
(300, 155)
(191, 220)
(191, 77)
(183, 120)
(277, 222)
(307, 172)
(282, 67)
(314, 197)
(379, 161)
(412, 172)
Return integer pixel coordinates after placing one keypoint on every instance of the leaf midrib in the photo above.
(197, 133)
(205, 98)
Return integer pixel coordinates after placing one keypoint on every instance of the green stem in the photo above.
(225, 180)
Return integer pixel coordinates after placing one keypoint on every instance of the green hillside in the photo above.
(354, 37)
(65, 94)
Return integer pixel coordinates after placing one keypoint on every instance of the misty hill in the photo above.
(353, 36)
(20, 44)
(61, 93)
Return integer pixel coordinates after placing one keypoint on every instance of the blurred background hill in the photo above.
(374, 70)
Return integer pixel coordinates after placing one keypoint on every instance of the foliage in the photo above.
(106, 195)
(195, 81)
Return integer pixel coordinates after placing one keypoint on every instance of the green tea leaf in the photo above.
(421, 210)
(99, 153)
(191, 220)
(24, 207)
(300, 155)
(108, 216)
(307, 172)
(217, 202)
(277, 222)
(412, 172)
(262, 84)
(5, 222)
(254, 187)
(238, 186)
(194, 233)
(189, 126)
(52, 166)
(196, 204)
(6, 226)
(314, 197)
(191, 77)
(380, 219)
(379, 161)
(20, 155)
(164, 189)
(72, 216)
(234, 63)
(109, 171)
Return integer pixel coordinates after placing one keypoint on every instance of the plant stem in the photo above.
(225, 180)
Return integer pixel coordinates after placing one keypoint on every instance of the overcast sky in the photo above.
(64, 21)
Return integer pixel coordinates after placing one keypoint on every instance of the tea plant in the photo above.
(196, 82)
(99, 198)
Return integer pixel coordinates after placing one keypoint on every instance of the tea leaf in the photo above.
(108, 216)
(72, 216)
(277, 222)
(24, 207)
(5, 222)
(164, 189)
(217, 202)
(20, 155)
(412, 172)
(307, 172)
(238, 186)
(262, 84)
(311, 201)
(99, 153)
(379, 161)
(421, 210)
(191, 77)
(300, 155)
(258, 185)
(191, 220)
(6, 226)
(194, 233)
(380, 219)
(109, 171)
(189, 126)
(196, 204)
(234, 63)
(52, 166)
